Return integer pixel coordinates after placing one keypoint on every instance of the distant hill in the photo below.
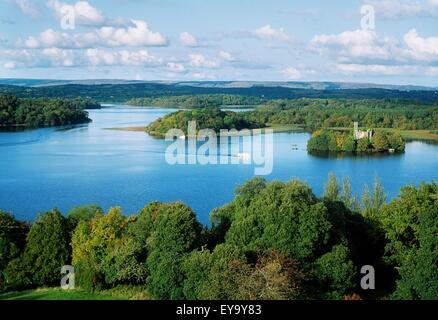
(222, 84)
(303, 85)
(123, 90)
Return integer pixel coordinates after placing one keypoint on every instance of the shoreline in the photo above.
(275, 128)
(410, 135)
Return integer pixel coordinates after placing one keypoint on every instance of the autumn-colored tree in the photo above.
(274, 277)
(105, 254)
(380, 141)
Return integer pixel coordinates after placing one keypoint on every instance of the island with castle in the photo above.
(355, 141)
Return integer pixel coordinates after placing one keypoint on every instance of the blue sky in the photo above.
(276, 40)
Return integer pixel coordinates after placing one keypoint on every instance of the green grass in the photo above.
(285, 127)
(419, 135)
(119, 293)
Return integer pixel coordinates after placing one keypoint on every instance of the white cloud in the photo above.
(57, 57)
(50, 57)
(188, 40)
(199, 61)
(47, 38)
(269, 33)
(433, 3)
(85, 14)
(419, 45)
(225, 56)
(366, 47)
(60, 57)
(9, 65)
(98, 57)
(291, 73)
(358, 43)
(136, 36)
(27, 7)
(362, 51)
(175, 67)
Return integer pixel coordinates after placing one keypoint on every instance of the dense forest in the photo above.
(197, 101)
(335, 141)
(207, 118)
(273, 241)
(314, 114)
(43, 112)
(124, 92)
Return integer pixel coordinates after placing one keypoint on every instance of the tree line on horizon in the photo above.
(123, 92)
(196, 101)
(275, 240)
(314, 114)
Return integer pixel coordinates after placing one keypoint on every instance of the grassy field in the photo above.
(426, 135)
(285, 128)
(131, 293)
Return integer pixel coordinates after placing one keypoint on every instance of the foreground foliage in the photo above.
(273, 241)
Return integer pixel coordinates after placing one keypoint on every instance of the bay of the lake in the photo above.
(88, 164)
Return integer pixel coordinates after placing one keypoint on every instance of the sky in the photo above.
(373, 41)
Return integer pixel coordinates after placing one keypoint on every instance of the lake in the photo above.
(71, 166)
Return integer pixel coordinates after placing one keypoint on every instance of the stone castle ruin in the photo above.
(359, 134)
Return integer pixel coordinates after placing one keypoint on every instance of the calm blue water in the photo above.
(64, 168)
